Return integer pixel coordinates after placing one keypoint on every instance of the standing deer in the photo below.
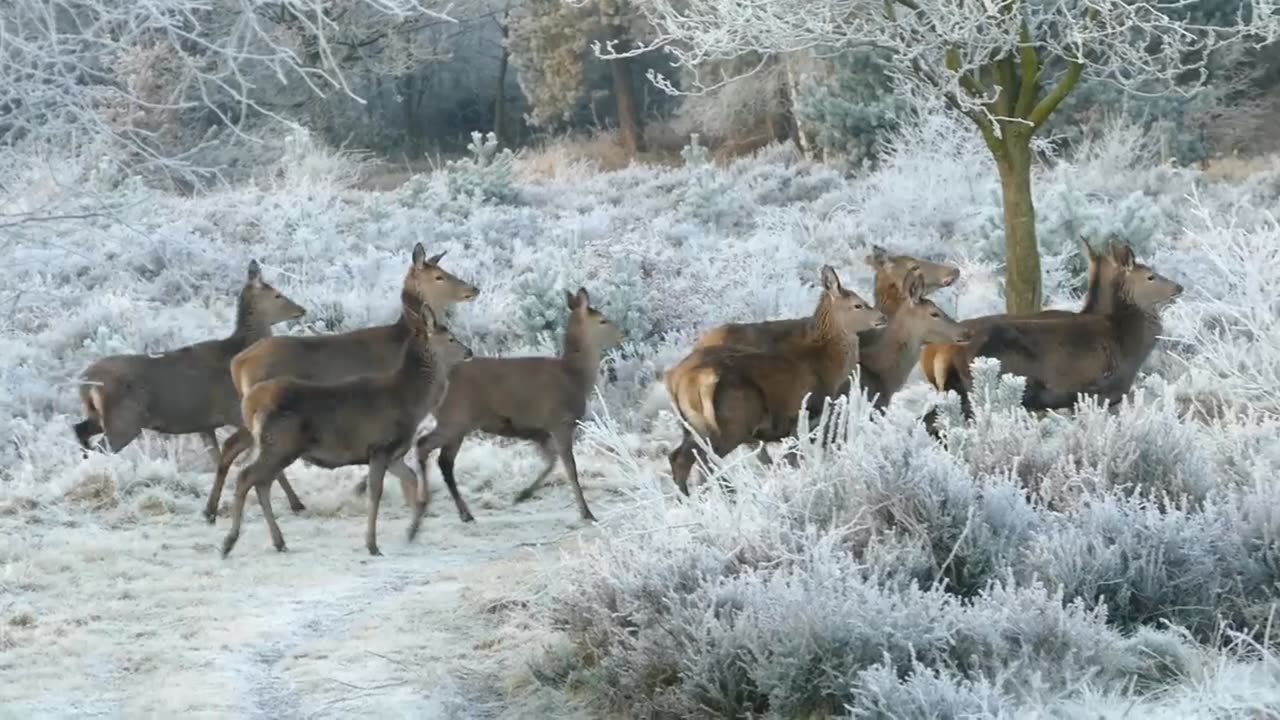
(939, 360)
(362, 420)
(327, 358)
(757, 393)
(1097, 354)
(540, 399)
(187, 390)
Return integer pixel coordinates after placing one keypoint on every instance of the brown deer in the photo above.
(758, 393)
(938, 360)
(1096, 354)
(891, 272)
(187, 390)
(363, 420)
(328, 358)
(540, 399)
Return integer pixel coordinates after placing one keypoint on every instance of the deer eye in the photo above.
(935, 314)
(858, 306)
(439, 277)
(1151, 278)
(915, 268)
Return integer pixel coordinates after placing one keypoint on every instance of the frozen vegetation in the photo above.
(1086, 565)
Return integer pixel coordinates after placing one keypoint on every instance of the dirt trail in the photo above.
(146, 620)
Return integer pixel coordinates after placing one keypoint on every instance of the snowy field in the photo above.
(1103, 565)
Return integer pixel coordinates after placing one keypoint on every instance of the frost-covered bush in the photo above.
(487, 175)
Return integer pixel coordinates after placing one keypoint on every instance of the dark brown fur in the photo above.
(327, 358)
(363, 420)
(187, 390)
(539, 399)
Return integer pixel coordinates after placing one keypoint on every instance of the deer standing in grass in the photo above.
(363, 420)
(540, 399)
(328, 358)
(939, 360)
(757, 393)
(187, 390)
(1097, 354)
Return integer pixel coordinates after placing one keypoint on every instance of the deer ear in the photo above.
(435, 259)
(831, 281)
(584, 298)
(1087, 250)
(915, 287)
(1123, 254)
(419, 254)
(255, 272)
(878, 257)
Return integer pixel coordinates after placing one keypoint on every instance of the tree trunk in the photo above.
(500, 99)
(1022, 252)
(630, 130)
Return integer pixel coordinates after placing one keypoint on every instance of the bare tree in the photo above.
(1004, 64)
(128, 71)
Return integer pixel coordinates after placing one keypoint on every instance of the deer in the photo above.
(325, 358)
(885, 355)
(365, 419)
(538, 399)
(938, 360)
(1096, 354)
(182, 391)
(758, 392)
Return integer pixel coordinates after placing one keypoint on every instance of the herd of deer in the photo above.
(358, 398)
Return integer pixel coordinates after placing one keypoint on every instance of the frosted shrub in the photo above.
(487, 175)
(695, 154)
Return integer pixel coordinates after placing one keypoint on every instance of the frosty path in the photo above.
(145, 619)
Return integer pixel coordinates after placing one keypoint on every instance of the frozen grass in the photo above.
(1077, 566)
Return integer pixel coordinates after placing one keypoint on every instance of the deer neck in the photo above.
(581, 356)
(250, 324)
(410, 299)
(1136, 328)
(892, 351)
(836, 349)
(419, 367)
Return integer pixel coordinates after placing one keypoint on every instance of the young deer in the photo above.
(187, 390)
(891, 272)
(757, 393)
(328, 358)
(540, 399)
(362, 420)
(1095, 354)
(939, 360)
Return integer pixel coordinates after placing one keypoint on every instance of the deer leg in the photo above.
(547, 449)
(445, 461)
(263, 488)
(247, 479)
(295, 504)
(408, 481)
(563, 438)
(119, 432)
(211, 444)
(239, 441)
(378, 462)
(682, 461)
(85, 430)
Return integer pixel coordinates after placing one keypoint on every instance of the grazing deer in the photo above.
(1096, 354)
(939, 360)
(328, 358)
(187, 390)
(757, 393)
(540, 399)
(891, 272)
(362, 420)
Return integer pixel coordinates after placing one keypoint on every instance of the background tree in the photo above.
(1007, 65)
(549, 43)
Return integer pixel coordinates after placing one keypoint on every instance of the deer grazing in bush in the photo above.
(939, 360)
(328, 358)
(363, 420)
(1096, 353)
(187, 390)
(757, 393)
(540, 399)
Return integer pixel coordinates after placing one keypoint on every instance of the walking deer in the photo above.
(757, 393)
(327, 358)
(1097, 354)
(186, 390)
(363, 420)
(539, 399)
(938, 360)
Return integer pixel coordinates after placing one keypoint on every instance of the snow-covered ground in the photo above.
(114, 601)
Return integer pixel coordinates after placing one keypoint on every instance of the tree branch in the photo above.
(1059, 93)
(1030, 73)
